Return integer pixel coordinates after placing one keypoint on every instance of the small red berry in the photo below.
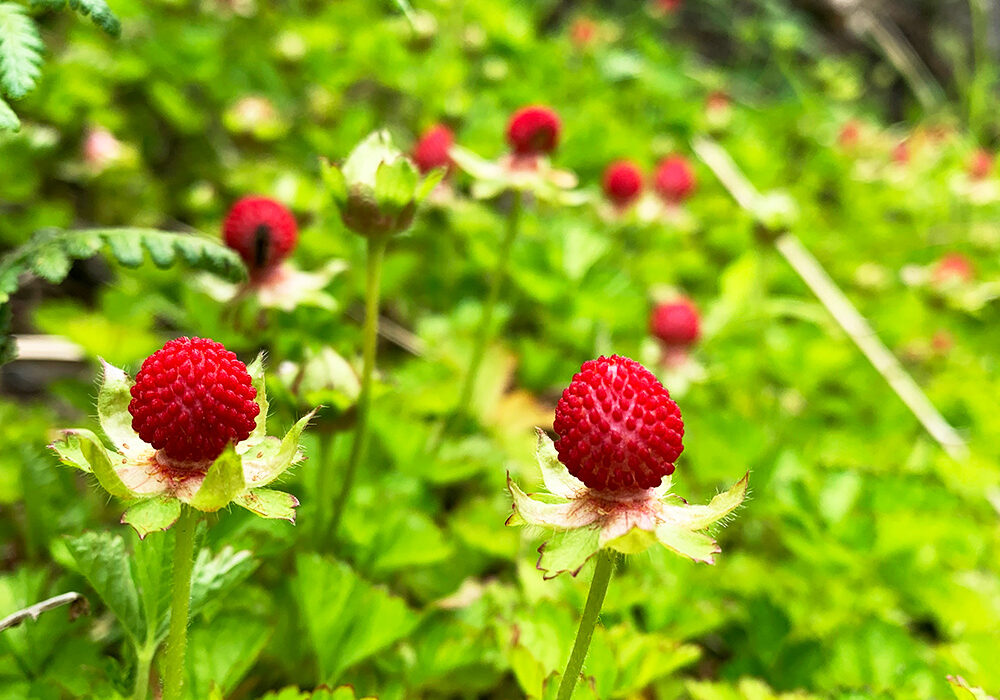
(901, 153)
(668, 6)
(622, 182)
(618, 428)
(980, 165)
(191, 398)
(675, 323)
(261, 230)
(432, 149)
(952, 268)
(850, 135)
(533, 130)
(583, 31)
(674, 179)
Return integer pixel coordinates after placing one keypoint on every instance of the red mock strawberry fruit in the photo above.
(261, 230)
(980, 165)
(674, 179)
(622, 183)
(191, 398)
(675, 323)
(533, 131)
(432, 149)
(618, 428)
(953, 268)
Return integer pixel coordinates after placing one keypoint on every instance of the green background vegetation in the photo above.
(865, 562)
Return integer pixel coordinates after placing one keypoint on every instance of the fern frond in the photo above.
(8, 120)
(50, 253)
(20, 50)
(98, 11)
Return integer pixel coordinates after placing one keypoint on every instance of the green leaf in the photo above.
(126, 248)
(261, 472)
(161, 251)
(214, 577)
(8, 350)
(113, 398)
(568, 551)
(8, 120)
(345, 692)
(152, 567)
(152, 515)
(347, 618)
(964, 691)
(225, 650)
(395, 183)
(20, 50)
(102, 560)
(222, 483)
(97, 458)
(268, 503)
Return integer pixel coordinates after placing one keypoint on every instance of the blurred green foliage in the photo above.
(865, 563)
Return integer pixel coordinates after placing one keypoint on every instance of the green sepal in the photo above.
(427, 185)
(532, 511)
(222, 483)
(256, 372)
(694, 545)
(568, 551)
(700, 517)
(361, 166)
(152, 515)
(273, 465)
(268, 503)
(395, 183)
(336, 183)
(113, 397)
(474, 164)
(97, 457)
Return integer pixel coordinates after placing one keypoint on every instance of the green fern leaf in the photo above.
(98, 11)
(8, 120)
(50, 253)
(20, 50)
(7, 350)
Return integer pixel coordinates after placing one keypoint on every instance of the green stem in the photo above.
(598, 587)
(324, 482)
(496, 285)
(180, 603)
(373, 277)
(143, 661)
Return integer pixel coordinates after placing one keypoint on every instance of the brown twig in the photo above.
(78, 606)
(837, 303)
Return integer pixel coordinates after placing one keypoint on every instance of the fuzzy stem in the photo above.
(373, 277)
(143, 661)
(180, 603)
(496, 284)
(598, 587)
(324, 482)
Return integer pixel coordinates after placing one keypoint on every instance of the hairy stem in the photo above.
(143, 661)
(598, 587)
(486, 324)
(373, 281)
(180, 603)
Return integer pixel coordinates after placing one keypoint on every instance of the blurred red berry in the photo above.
(717, 101)
(850, 135)
(675, 323)
(261, 230)
(981, 164)
(901, 153)
(942, 342)
(618, 428)
(192, 398)
(952, 268)
(669, 5)
(432, 149)
(534, 130)
(674, 179)
(583, 31)
(622, 182)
